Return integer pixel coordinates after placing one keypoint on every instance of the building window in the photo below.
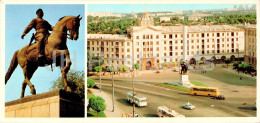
(218, 34)
(128, 43)
(165, 54)
(202, 35)
(207, 34)
(198, 40)
(207, 51)
(157, 49)
(170, 36)
(137, 56)
(164, 48)
(147, 36)
(181, 47)
(198, 35)
(157, 36)
(151, 36)
(144, 36)
(223, 34)
(232, 33)
(212, 34)
(192, 47)
(176, 35)
(137, 50)
(192, 41)
(157, 42)
(208, 46)
(176, 42)
(164, 42)
(128, 56)
(128, 49)
(157, 54)
(137, 37)
(192, 35)
(122, 56)
(197, 46)
(176, 53)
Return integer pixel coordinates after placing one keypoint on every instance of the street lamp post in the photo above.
(113, 93)
(99, 70)
(133, 93)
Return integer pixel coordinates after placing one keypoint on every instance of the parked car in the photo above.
(188, 105)
(220, 97)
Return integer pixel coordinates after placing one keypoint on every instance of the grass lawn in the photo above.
(94, 114)
(175, 87)
(197, 83)
(182, 88)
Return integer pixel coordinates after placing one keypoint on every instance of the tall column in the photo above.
(185, 43)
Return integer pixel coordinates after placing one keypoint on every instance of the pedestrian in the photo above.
(240, 77)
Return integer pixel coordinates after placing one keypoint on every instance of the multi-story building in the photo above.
(151, 45)
(104, 14)
(250, 45)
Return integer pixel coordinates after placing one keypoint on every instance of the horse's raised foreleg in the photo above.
(65, 69)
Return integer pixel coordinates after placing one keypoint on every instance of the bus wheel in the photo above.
(195, 94)
(209, 95)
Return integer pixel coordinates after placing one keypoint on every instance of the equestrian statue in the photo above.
(184, 68)
(49, 49)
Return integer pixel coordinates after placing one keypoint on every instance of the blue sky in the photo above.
(129, 8)
(16, 20)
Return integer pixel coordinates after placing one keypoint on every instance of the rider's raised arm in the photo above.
(30, 26)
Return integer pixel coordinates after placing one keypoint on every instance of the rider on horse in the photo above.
(42, 31)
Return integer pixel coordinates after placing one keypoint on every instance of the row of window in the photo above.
(171, 36)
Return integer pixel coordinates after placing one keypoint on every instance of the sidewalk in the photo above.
(109, 104)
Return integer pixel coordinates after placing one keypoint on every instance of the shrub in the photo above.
(90, 83)
(123, 68)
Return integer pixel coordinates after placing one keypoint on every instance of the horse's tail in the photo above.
(12, 67)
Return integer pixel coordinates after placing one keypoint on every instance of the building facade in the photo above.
(151, 45)
(250, 45)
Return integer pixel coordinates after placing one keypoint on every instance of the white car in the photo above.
(189, 106)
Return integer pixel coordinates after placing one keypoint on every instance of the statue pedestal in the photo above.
(184, 80)
(55, 103)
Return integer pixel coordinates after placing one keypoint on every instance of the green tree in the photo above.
(97, 69)
(76, 80)
(90, 83)
(136, 66)
(97, 103)
(123, 68)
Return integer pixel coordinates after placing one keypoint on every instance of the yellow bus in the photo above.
(205, 91)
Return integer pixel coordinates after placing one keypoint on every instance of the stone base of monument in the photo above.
(184, 81)
(55, 103)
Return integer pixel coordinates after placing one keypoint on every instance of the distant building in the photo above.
(151, 45)
(196, 16)
(146, 20)
(250, 45)
(253, 7)
(235, 7)
(241, 7)
(103, 14)
(160, 14)
(165, 19)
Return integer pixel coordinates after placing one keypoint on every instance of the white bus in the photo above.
(139, 100)
(163, 111)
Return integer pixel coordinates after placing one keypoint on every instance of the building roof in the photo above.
(171, 29)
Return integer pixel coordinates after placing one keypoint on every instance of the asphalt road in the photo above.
(158, 96)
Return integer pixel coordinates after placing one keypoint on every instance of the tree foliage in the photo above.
(136, 66)
(97, 103)
(123, 68)
(90, 83)
(76, 80)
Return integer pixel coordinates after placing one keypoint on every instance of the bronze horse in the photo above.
(56, 51)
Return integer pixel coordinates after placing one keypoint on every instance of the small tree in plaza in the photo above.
(97, 69)
(227, 60)
(174, 64)
(97, 103)
(123, 68)
(136, 66)
(201, 62)
(164, 64)
(90, 83)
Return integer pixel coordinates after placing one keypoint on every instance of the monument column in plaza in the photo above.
(184, 78)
